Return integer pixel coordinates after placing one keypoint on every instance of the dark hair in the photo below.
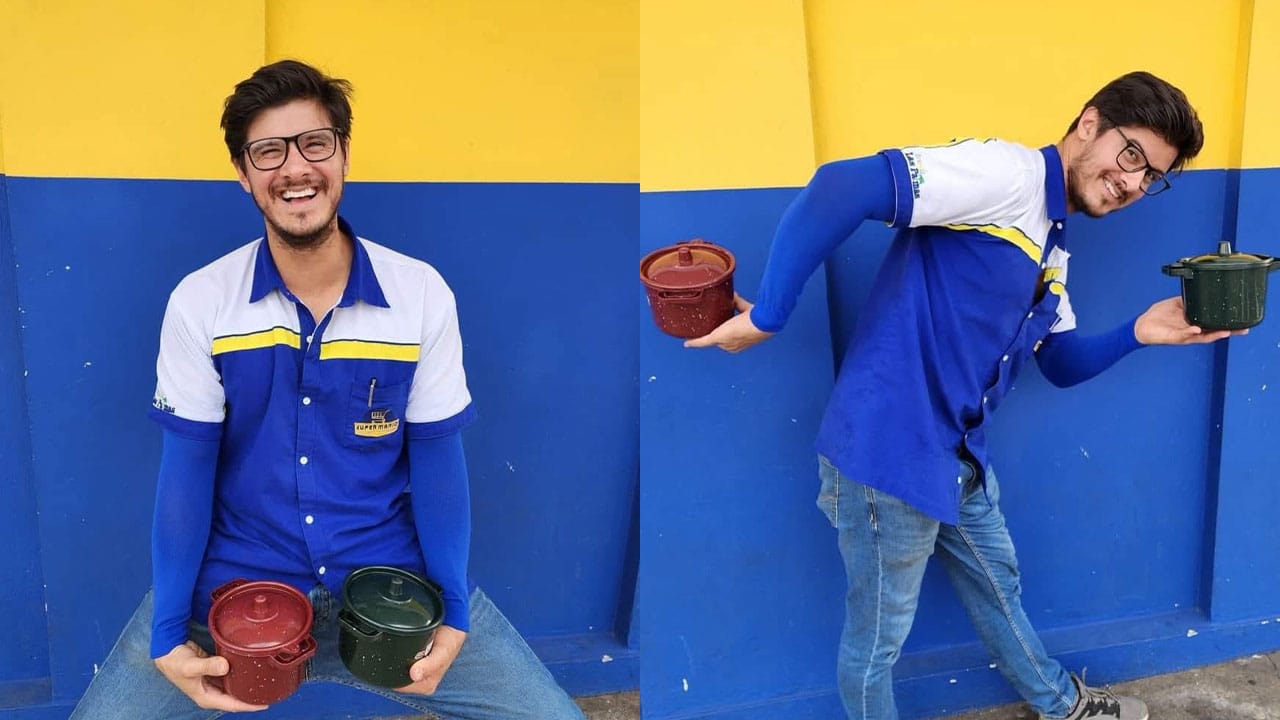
(275, 85)
(1140, 99)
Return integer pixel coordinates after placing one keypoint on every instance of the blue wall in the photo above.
(1112, 489)
(536, 270)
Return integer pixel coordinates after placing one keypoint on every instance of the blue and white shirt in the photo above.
(312, 477)
(975, 279)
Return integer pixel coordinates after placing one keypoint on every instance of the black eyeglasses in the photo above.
(1132, 159)
(315, 145)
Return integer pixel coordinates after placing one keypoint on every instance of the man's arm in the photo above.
(839, 197)
(441, 501)
(1069, 358)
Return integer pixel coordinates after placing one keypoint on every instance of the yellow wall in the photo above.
(725, 97)
(723, 81)
(500, 90)
(1261, 141)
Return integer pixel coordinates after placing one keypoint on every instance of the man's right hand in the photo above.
(189, 668)
(735, 334)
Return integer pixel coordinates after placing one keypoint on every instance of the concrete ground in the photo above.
(1244, 689)
(617, 706)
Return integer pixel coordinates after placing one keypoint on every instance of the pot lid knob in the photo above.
(1224, 247)
(684, 257)
(397, 588)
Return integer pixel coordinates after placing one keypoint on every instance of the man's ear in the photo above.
(1090, 120)
(244, 179)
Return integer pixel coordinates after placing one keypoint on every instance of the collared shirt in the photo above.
(974, 280)
(312, 477)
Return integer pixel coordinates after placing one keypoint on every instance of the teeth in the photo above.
(295, 194)
(1111, 189)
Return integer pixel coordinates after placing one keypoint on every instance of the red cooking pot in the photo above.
(263, 629)
(689, 287)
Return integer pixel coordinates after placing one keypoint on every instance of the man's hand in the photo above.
(429, 671)
(735, 334)
(189, 668)
(1165, 323)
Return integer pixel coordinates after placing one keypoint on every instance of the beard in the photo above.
(305, 238)
(1076, 199)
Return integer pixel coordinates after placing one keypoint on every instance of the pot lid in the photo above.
(1226, 257)
(393, 600)
(687, 265)
(260, 616)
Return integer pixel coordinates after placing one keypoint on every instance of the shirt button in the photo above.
(960, 480)
(1004, 359)
(1030, 315)
(320, 570)
(984, 399)
(303, 459)
(1059, 225)
(309, 519)
(306, 401)
(308, 339)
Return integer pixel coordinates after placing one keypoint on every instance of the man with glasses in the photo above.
(973, 287)
(312, 395)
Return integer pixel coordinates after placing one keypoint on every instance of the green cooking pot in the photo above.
(1224, 290)
(388, 619)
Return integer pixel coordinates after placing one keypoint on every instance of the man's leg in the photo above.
(129, 687)
(495, 676)
(979, 557)
(886, 545)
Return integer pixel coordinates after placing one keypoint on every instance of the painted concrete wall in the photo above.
(497, 141)
(1141, 502)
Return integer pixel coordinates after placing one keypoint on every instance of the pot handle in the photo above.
(349, 622)
(226, 588)
(682, 297)
(305, 650)
(1178, 270)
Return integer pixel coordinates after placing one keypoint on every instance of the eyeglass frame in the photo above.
(338, 137)
(1161, 183)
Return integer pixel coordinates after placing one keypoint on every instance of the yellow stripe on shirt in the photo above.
(1011, 234)
(369, 350)
(253, 341)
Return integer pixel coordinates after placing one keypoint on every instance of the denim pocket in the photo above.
(829, 493)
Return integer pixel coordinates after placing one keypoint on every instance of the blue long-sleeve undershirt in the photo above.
(1069, 358)
(839, 197)
(184, 513)
(441, 502)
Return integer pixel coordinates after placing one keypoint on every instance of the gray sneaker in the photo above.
(1102, 704)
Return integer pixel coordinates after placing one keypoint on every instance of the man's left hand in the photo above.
(1165, 323)
(429, 671)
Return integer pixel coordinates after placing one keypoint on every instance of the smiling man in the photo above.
(973, 287)
(312, 397)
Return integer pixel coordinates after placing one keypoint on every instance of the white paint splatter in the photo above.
(1192, 633)
(95, 668)
(88, 364)
(511, 467)
(992, 666)
(66, 267)
(953, 681)
(793, 419)
(1264, 387)
(606, 658)
(1085, 453)
(652, 378)
(685, 683)
(1266, 622)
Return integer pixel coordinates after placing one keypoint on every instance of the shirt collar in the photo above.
(1055, 192)
(362, 283)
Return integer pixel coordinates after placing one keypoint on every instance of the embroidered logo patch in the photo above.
(377, 424)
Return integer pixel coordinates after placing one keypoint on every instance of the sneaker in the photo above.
(1102, 704)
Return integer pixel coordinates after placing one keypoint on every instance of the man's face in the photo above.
(1096, 182)
(299, 199)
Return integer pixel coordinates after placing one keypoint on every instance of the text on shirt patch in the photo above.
(377, 425)
(161, 403)
(915, 172)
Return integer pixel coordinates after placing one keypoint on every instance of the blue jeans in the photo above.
(886, 544)
(495, 677)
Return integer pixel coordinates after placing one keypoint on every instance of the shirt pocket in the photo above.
(375, 415)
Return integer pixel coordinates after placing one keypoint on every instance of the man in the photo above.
(305, 382)
(972, 288)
